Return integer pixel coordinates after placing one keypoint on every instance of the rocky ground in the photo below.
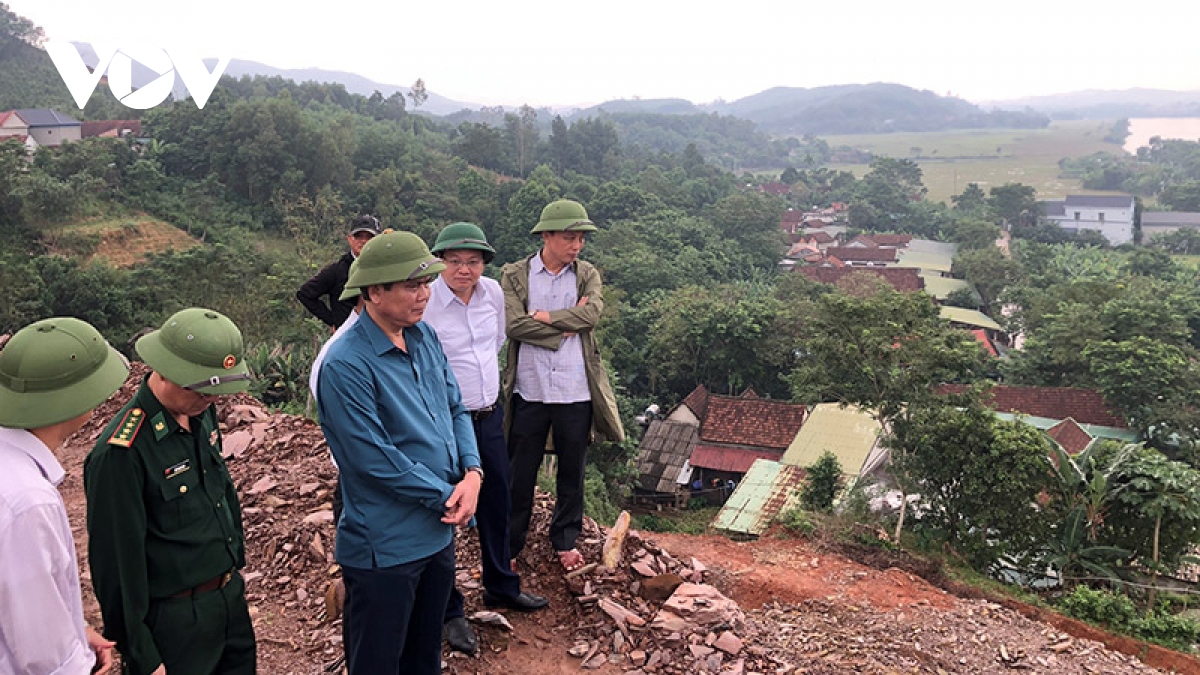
(673, 604)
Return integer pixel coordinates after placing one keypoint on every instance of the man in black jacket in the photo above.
(331, 280)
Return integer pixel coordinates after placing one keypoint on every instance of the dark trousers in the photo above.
(394, 616)
(491, 516)
(209, 633)
(531, 422)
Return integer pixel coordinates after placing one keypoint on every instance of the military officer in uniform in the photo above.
(164, 523)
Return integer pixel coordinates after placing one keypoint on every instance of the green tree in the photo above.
(972, 233)
(1164, 498)
(419, 95)
(980, 476)
(1014, 204)
(723, 337)
(884, 353)
(989, 271)
(971, 199)
(1150, 382)
(822, 484)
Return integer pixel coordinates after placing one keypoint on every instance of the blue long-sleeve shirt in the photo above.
(402, 438)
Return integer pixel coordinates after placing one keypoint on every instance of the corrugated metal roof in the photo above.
(1095, 430)
(940, 287)
(848, 433)
(662, 454)
(929, 261)
(733, 460)
(768, 489)
(968, 317)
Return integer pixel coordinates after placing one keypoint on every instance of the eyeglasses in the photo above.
(473, 263)
(416, 284)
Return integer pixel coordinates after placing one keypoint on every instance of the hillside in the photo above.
(28, 79)
(869, 108)
(780, 605)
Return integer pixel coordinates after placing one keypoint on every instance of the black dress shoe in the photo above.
(459, 636)
(522, 602)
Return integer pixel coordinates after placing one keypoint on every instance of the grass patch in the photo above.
(686, 521)
(952, 159)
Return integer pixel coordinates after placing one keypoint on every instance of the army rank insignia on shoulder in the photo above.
(128, 428)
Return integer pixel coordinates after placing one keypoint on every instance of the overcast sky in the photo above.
(566, 52)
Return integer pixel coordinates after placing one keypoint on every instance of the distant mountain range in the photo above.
(1109, 104)
(839, 109)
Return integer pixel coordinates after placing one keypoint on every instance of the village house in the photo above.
(1155, 223)
(728, 434)
(1111, 216)
(46, 126)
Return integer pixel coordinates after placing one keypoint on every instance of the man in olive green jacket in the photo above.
(554, 377)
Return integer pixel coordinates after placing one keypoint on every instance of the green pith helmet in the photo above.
(55, 370)
(198, 349)
(457, 236)
(391, 257)
(564, 215)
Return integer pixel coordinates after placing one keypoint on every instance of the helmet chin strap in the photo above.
(218, 380)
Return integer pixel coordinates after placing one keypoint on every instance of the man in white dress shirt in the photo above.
(467, 311)
(52, 374)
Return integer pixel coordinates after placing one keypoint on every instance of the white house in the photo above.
(1111, 216)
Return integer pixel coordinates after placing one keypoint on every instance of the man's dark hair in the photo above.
(366, 292)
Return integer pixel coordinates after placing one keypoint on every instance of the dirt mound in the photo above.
(784, 606)
(129, 244)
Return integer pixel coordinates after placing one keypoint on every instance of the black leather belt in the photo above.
(220, 581)
(483, 413)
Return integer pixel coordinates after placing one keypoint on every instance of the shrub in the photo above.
(1118, 613)
(798, 522)
(824, 481)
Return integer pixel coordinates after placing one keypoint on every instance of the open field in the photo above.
(990, 157)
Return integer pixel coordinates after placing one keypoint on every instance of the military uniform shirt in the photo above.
(163, 517)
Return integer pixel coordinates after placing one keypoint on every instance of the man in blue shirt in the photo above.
(467, 311)
(393, 416)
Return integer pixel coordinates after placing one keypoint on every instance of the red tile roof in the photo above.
(735, 460)
(853, 254)
(759, 422)
(791, 216)
(1085, 406)
(1070, 436)
(903, 279)
(697, 401)
(865, 241)
(820, 237)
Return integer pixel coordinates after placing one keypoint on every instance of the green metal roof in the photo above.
(1094, 430)
(969, 317)
(848, 433)
(924, 260)
(940, 287)
(768, 489)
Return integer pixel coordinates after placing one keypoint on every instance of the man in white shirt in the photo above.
(467, 311)
(52, 374)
